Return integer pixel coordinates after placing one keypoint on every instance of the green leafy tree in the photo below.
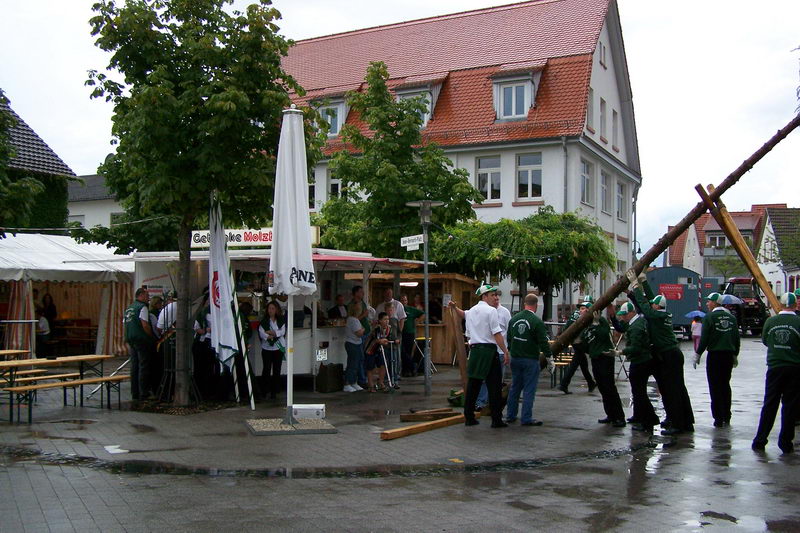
(18, 193)
(386, 168)
(543, 250)
(729, 264)
(198, 109)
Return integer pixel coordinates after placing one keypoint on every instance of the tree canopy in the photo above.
(543, 250)
(197, 108)
(385, 168)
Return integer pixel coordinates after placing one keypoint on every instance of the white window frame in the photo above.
(491, 173)
(80, 219)
(528, 84)
(603, 117)
(530, 171)
(334, 182)
(622, 201)
(407, 95)
(602, 54)
(312, 196)
(590, 110)
(341, 116)
(587, 182)
(605, 191)
(614, 128)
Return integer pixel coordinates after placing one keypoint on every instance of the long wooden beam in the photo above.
(725, 221)
(391, 434)
(664, 242)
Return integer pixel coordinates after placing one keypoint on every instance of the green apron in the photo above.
(480, 361)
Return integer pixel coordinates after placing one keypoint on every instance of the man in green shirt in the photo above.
(600, 348)
(526, 339)
(781, 335)
(642, 366)
(578, 359)
(409, 337)
(665, 350)
(720, 336)
(140, 338)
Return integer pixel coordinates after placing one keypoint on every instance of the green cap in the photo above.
(483, 289)
(714, 297)
(659, 300)
(626, 308)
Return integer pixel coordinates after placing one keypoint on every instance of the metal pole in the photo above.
(289, 419)
(425, 222)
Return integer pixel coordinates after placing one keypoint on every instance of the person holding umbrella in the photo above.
(781, 336)
(720, 336)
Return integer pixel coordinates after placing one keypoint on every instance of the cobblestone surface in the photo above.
(86, 469)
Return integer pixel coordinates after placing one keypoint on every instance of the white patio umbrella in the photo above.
(291, 268)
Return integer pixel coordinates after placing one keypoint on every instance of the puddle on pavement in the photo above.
(77, 421)
(143, 428)
(508, 468)
(45, 435)
(719, 516)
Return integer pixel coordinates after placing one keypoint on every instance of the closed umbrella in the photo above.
(729, 299)
(695, 313)
(291, 267)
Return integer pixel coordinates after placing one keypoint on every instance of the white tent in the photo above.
(88, 270)
(38, 257)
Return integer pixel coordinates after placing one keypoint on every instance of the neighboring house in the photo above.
(780, 238)
(532, 99)
(704, 242)
(33, 157)
(91, 203)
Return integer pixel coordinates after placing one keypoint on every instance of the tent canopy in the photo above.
(39, 257)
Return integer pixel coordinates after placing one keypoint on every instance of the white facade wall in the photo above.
(692, 258)
(768, 261)
(94, 212)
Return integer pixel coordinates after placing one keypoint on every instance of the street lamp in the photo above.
(425, 211)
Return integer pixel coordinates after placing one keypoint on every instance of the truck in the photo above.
(682, 288)
(752, 312)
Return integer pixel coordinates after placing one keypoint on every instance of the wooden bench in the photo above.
(560, 361)
(32, 372)
(34, 379)
(26, 393)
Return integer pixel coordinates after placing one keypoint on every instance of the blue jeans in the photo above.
(355, 360)
(483, 395)
(524, 379)
(362, 374)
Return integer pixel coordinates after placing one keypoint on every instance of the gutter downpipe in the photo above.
(568, 284)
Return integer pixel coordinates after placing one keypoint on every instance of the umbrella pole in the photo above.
(289, 419)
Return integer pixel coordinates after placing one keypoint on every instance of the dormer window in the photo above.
(425, 96)
(514, 94)
(335, 115)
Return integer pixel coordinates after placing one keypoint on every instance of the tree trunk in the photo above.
(522, 286)
(183, 353)
(663, 243)
(547, 302)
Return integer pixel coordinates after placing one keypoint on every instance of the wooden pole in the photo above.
(663, 243)
(422, 427)
(453, 323)
(725, 221)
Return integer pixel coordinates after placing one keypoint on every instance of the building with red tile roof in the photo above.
(533, 99)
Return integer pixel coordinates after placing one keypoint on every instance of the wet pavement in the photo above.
(87, 469)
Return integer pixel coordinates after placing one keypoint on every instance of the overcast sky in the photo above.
(712, 81)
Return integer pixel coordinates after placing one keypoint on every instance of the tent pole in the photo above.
(289, 420)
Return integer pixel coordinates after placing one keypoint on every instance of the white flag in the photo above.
(223, 304)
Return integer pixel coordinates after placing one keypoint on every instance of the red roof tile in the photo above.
(558, 36)
(676, 249)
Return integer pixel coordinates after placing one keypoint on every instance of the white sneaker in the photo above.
(349, 388)
(357, 387)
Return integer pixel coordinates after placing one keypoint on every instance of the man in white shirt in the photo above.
(388, 301)
(485, 339)
(168, 314)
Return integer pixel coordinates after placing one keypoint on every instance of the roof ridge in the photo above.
(414, 22)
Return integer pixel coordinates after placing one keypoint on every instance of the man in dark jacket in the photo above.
(139, 336)
(781, 336)
(600, 348)
(665, 350)
(642, 366)
(578, 359)
(720, 336)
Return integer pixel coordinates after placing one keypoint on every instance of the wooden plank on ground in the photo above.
(397, 433)
(428, 411)
(423, 417)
